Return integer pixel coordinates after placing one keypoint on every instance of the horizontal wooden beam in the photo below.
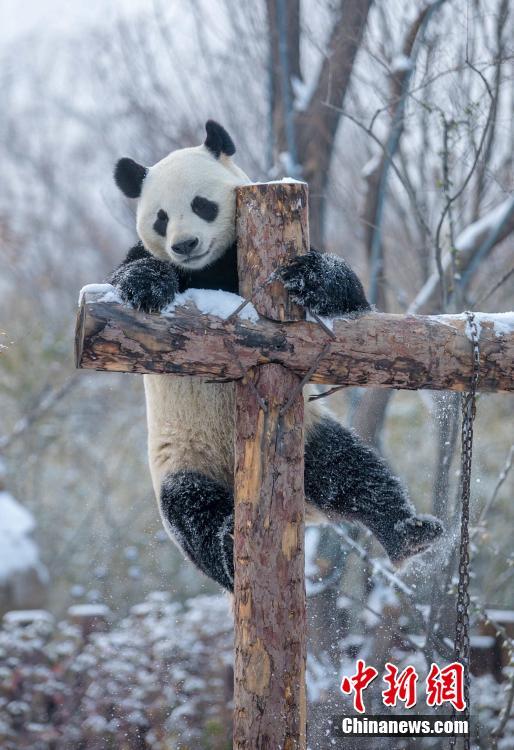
(377, 349)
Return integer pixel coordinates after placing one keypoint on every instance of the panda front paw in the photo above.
(324, 284)
(148, 284)
(302, 278)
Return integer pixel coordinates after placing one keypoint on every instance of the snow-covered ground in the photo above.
(162, 675)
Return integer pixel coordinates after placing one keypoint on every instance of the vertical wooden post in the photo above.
(269, 606)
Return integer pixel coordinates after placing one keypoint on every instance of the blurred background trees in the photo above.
(400, 117)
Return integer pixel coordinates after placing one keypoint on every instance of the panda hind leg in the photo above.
(199, 513)
(346, 479)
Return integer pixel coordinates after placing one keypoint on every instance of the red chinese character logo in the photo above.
(401, 687)
(358, 683)
(446, 686)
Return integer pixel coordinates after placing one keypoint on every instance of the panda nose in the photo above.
(185, 247)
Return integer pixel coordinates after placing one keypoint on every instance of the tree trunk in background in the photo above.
(284, 46)
(315, 125)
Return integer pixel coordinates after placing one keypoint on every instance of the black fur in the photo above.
(324, 284)
(218, 140)
(220, 275)
(135, 253)
(147, 283)
(161, 223)
(347, 479)
(129, 176)
(343, 478)
(204, 208)
(200, 513)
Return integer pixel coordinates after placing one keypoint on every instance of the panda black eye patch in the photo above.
(204, 208)
(161, 222)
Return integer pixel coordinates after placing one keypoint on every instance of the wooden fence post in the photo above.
(270, 637)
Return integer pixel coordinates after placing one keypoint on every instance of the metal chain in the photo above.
(462, 638)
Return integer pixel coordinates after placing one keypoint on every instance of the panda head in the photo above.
(186, 202)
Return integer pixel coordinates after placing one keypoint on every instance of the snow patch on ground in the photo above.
(18, 552)
(110, 294)
(89, 610)
(26, 616)
(214, 302)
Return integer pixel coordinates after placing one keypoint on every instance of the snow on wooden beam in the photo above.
(377, 349)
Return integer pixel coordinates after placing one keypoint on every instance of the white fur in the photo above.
(191, 427)
(171, 185)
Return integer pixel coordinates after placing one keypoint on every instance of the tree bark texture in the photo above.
(392, 351)
(269, 606)
(272, 227)
(269, 586)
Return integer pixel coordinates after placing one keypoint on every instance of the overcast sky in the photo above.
(19, 17)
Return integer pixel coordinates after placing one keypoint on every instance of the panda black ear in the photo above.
(218, 140)
(129, 176)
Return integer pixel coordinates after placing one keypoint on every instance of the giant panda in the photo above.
(186, 227)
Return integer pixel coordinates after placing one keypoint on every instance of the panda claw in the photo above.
(324, 284)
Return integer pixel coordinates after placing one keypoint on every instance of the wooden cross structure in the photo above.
(270, 360)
